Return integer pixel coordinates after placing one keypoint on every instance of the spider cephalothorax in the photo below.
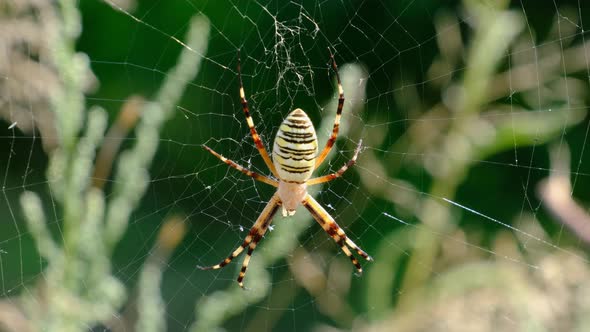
(293, 161)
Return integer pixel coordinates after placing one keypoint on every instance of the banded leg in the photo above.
(242, 169)
(253, 132)
(332, 228)
(330, 143)
(261, 231)
(256, 233)
(339, 173)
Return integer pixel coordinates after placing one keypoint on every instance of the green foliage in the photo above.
(439, 265)
(80, 290)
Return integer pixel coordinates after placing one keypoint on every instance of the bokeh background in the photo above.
(470, 191)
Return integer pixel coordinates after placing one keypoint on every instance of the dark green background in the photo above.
(394, 40)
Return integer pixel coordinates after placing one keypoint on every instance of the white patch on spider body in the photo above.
(291, 195)
(294, 153)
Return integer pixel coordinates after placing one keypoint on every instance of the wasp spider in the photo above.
(294, 160)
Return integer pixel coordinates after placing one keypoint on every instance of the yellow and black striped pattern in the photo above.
(295, 148)
(251, 241)
(295, 156)
(331, 227)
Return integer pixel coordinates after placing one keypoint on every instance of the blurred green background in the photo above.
(469, 193)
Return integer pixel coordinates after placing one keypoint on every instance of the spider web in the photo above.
(469, 191)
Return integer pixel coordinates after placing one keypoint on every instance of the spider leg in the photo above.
(251, 241)
(339, 173)
(334, 135)
(332, 228)
(242, 169)
(253, 132)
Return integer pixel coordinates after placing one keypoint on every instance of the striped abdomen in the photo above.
(295, 148)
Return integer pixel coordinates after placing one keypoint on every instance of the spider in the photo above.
(294, 160)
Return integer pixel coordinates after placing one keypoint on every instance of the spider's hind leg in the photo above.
(331, 227)
(233, 255)
(251, 241)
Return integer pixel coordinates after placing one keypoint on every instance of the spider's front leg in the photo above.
(330, 143)
(250, 122)
(256, 233)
